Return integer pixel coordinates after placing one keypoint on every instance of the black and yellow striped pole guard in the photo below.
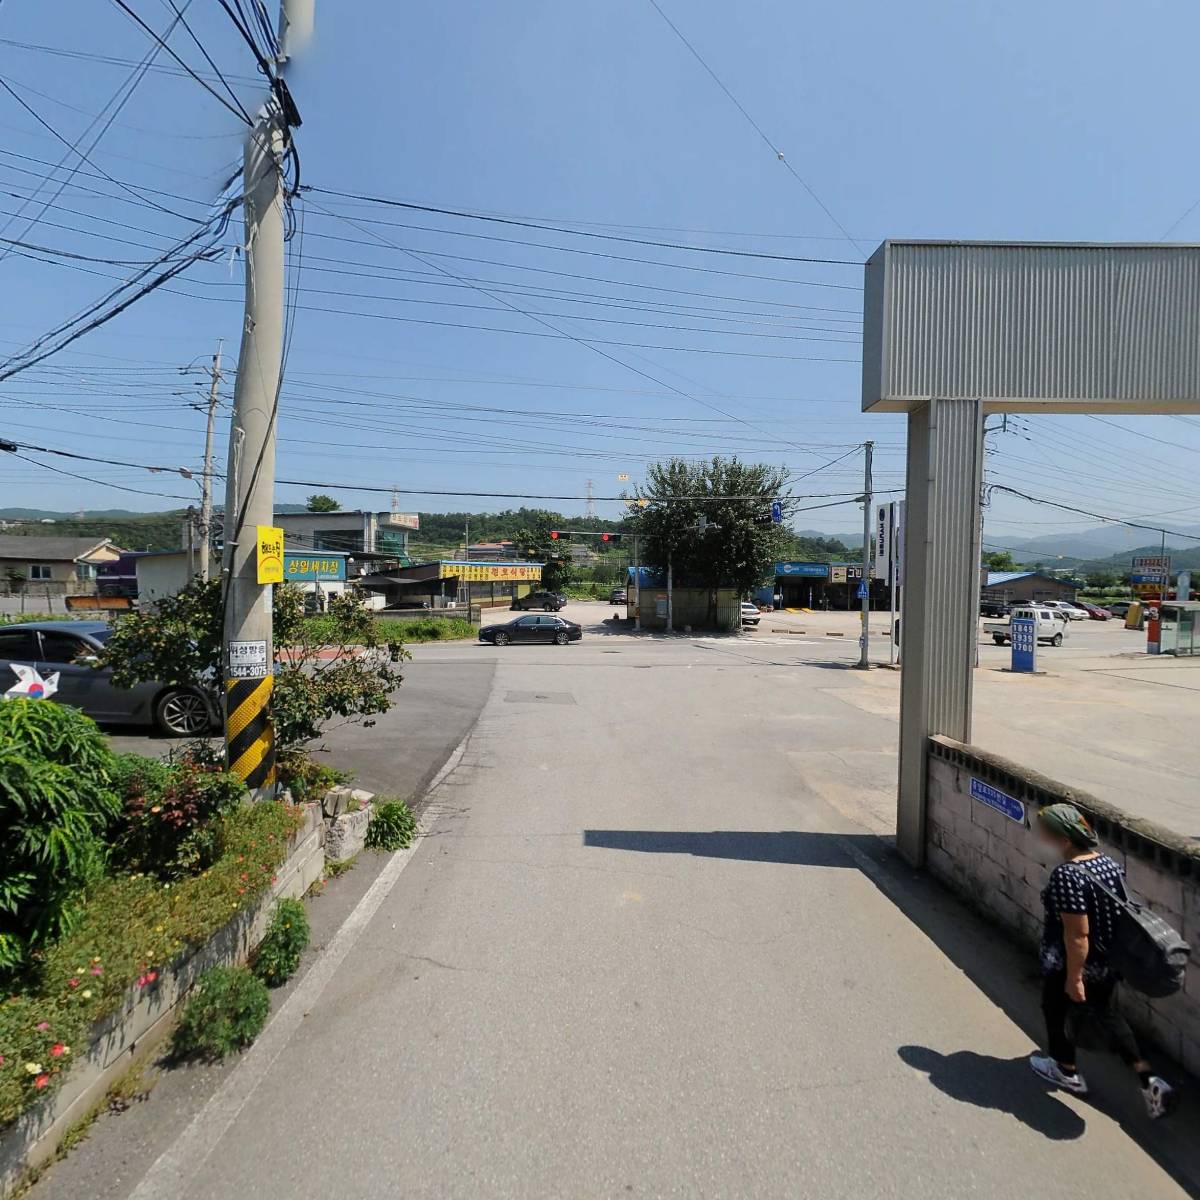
(249, 735)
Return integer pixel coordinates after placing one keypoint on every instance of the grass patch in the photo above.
(130, 928)
(417, 629)
(334, 869)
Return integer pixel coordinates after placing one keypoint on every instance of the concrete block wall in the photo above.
(999, 865)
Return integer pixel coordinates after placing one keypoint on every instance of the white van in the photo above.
(1052, 628)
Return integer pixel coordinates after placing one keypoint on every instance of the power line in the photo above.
(608, 237)
(238, 112)
(755, 126)
(110, 60)
(1000, 487)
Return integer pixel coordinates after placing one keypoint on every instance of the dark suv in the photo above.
(544, 600)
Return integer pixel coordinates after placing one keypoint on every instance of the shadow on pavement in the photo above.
(1004, 1084)
(1003, 970)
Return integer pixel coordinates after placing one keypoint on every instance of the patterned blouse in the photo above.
(1070, 890)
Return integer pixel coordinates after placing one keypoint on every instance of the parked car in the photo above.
(1120, 608)
(993, 608)
(750, 613)
(550, 601)
(558, 630)
(1071, 611)
(71, 648)
(618, 596)
(1051, 625)
(1094, 611)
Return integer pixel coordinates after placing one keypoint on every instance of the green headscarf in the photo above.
(1067, 821)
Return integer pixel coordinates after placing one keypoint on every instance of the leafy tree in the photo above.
(320, 503)
(731, 495)
(179, 641)
(533, 540)
(999, 560)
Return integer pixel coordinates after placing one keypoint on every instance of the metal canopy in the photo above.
(1057, 327)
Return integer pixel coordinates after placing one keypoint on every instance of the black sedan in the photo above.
(532, 629)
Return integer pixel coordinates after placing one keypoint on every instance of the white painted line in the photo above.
(178, 1165)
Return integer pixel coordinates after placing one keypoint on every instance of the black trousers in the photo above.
(1097, 1018)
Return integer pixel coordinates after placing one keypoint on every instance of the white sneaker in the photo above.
(1160, 1097)
(1044, 1066)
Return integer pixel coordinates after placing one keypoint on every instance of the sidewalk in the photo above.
(636, 955)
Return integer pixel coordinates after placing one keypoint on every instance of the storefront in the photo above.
(490, 583)
(825, 586)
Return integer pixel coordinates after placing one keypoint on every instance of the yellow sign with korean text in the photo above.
(490, 572)
(270, 554)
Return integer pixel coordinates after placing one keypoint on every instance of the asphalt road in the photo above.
(646, 948)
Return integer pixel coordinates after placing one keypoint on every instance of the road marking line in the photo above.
(174, 1169)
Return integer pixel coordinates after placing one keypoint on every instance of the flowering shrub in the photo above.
(226, 1012)
(129, 929)
(286, 937)
(169, 810)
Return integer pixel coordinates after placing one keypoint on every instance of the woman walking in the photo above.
(1078, 982)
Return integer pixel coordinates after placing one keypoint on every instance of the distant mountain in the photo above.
(1090, 544)
(107, 514)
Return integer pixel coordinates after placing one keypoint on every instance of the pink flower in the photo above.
(151, 976)
(97, 970)
(72, 983)
(41, 1081)
(42, 1026)
(57, 1050)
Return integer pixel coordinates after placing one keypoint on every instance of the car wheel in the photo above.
(1056, 640)
(548, 607)
(997, 639)
(501, 639)
(181, 713)
(561, 638)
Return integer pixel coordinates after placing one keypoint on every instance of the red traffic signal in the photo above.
(605, 536)
(554, 535)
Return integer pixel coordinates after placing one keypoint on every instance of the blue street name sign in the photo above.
(776, 512)
(1024, 643)
(1011, 807)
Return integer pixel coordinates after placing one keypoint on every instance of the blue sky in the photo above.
(1028, 121)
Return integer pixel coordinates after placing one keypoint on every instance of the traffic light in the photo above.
(764, 519)
(605, 536)
(554, 535)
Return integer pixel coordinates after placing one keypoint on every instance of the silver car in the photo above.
(71, 648)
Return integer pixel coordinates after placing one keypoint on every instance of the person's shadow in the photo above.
(1005, 1084)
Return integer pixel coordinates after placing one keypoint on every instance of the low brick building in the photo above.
(1027, 587)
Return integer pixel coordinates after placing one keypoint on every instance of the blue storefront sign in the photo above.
(1024, 643)
(305, 568)
(806, 570)
(1003, 803)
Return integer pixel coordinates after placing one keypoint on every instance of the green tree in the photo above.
(999, 560)
(532, 540)
(179, 641)
(731, 495)
(320, 503)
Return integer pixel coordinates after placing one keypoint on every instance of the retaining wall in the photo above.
(146, 1016)
(995, 860)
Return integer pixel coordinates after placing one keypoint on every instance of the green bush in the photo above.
(307, 779)
(285, 940)
(56, 801)
(393, 826)
(169, 827)
(226, 1011)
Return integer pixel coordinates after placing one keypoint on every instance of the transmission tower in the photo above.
(591, 502)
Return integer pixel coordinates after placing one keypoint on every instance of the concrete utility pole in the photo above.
(249, 496)
(206, 488)
(863, 660)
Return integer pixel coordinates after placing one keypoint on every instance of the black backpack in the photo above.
(1149, 955)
